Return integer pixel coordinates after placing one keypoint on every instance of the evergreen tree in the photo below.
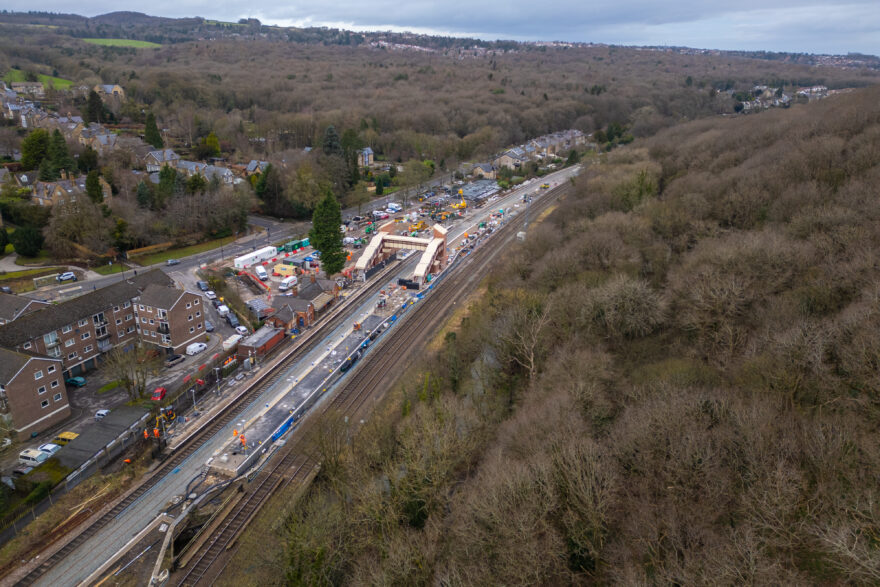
(27, 241)
(93, 187)
(88, 160)
(4, 239)
(151, 132)
(573, 158)
(270, 189)
(34, 149)
(331, 145)
(94, 111)
(144, 195)
(58, 153)
(325, 235)
(167, 186)
(47, 171)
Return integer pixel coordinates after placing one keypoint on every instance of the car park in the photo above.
(101, 414)
(195, 348)
(174, 360)
(49, 448)
(209, 326)
(203, 285)
(210, 295)
(75, 381)
(67, 276)
(158, 394)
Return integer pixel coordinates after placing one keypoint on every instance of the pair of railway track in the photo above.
(375, 373)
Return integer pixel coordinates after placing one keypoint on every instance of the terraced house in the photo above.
(169, 318)
(77, 332)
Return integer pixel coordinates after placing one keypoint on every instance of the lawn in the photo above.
(109, 386)
(17, 75)
(163, 256)
(123, 43)
(111, 269)
(42, 258)
(31, 273)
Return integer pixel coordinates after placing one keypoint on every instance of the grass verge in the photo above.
(109, 386)
(111, 269)
(183, 251)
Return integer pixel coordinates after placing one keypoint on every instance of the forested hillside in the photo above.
(674, 380)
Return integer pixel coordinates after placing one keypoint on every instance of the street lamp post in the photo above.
(217, 377)
(193, 390)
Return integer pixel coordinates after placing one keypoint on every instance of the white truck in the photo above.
(230, 342)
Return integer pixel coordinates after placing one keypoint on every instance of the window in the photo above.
(72, 355)
(118, 321)
(51, 369)
(88, 349)
(140, 307)
(54, 384)
(198, 314)
(150, 309)
(44, 403)
(83, 322)
(196, 302)
(126, 305)
(153, 333)
(130, 329)
(190, 317)
(139, 330)
(120, 333)
(27, 345)
(69, 342)
(38, 375)
(128, 316)
(115, 308)
(66, 329)
(85, 335)
(188, 306)
(57, 397)
(199, 325)
(191, 329)
(143, 320)
(152, 321)
(42, 390)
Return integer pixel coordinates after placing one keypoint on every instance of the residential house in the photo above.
(169, 318)
(484, 170)
(12, 306)
(80, 330)
(223, 174)
(292, 313)
(51, 193)
(255, 166)
(365, 157)
(110, 91)
(103, 143)
(320, 292)
(33, 89)
(26, 179)
(190, 168)
(510, 158)
(33, 397)
(156, 160)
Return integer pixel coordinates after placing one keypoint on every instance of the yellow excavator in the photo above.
(461, 205)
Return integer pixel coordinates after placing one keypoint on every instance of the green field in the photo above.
(110, 269)
(122, 43)
(17, 75)
(163, 256)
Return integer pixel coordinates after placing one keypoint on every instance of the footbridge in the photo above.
(386, 244)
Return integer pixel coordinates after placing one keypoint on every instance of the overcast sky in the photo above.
(813, 26)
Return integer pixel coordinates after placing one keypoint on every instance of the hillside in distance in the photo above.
(673, 380)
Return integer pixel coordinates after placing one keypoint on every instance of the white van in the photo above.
(261, 273)
(31, 457)
(222, 310)
(287, 283)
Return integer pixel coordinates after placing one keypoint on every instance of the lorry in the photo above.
(231, 342)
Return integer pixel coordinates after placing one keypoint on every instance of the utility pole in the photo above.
(217, 378)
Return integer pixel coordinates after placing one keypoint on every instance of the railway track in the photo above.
(189, 447)
(372, 375)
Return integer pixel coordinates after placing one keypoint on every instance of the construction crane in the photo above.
(461, 205)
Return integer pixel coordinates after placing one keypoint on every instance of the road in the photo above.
(102, 545)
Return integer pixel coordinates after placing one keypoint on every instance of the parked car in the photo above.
(195, 348)
(158, 394)
(203, 285)
(217, 303)
(67, 276)
(49, 448)
(101, 414)
(6, 289)
(174, 360)
(209, 326)
(76, 381)
(232, 319)
(210, 295)
(65, 437)
(31, 457)
(170, 262)
(242, 330)
(21, 471)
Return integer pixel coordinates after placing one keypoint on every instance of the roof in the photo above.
(260, 337)
(367, 151)
(11, 363)
(12, 306)
(259, 307)
(191, 166)
(160, 296)
(55, 316)
(93, 439)
(309, 291)
(164, 155)
(291, 302)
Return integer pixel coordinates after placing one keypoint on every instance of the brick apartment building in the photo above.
(169, 318)
(78, 331)
(32, 393)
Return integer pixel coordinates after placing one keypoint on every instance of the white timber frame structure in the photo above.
(385, 244)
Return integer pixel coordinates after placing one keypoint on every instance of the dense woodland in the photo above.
(673, 381)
